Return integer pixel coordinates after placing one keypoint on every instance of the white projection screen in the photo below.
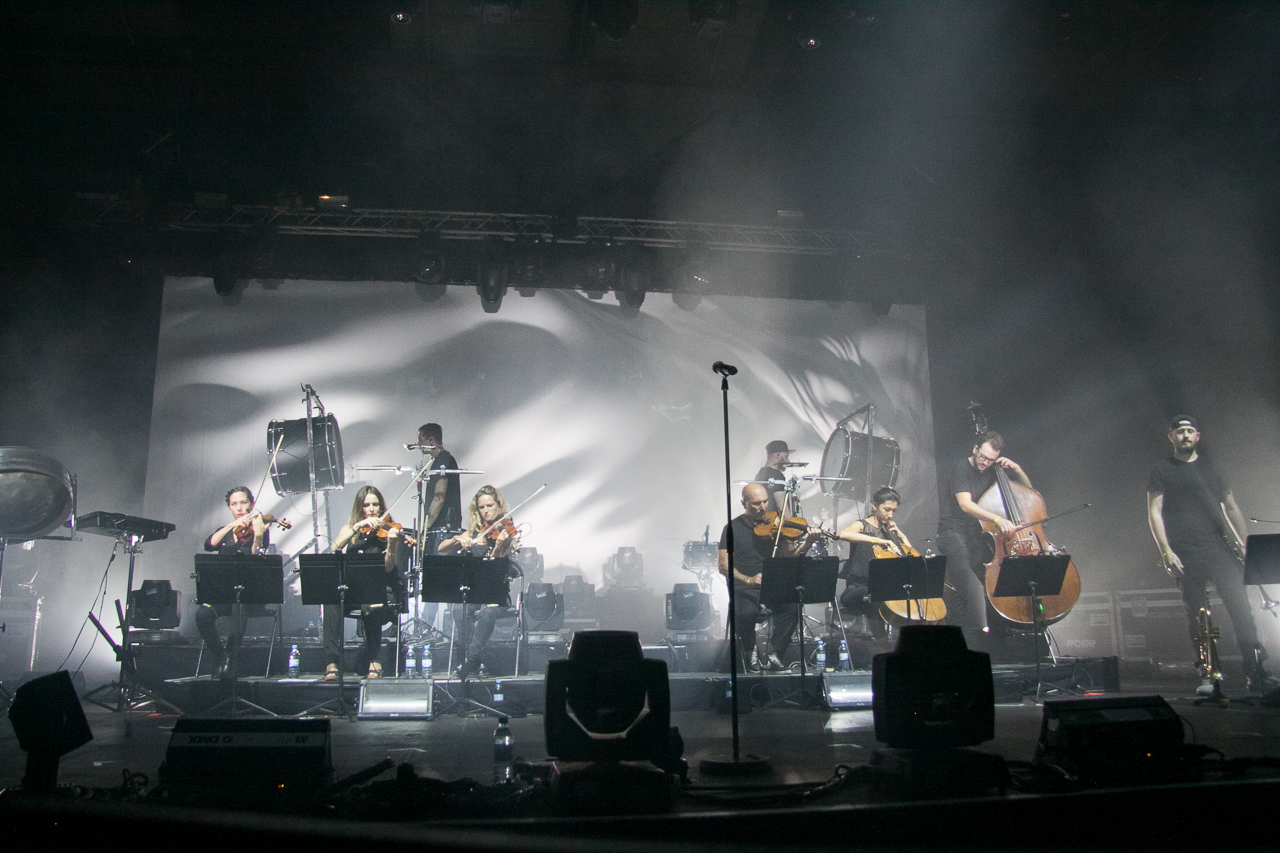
(620, 416)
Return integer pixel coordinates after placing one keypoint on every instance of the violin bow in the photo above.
(507, 514)
(270, 464)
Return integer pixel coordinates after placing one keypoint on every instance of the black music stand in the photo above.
(347, 580)
(463, 579)
(795, 582)
(1032, 577)
(1262, 565)
(906, 579)
(239, 579)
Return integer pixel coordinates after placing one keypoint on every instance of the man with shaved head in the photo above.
(749, 553)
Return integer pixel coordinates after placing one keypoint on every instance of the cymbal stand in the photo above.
(234, 702)
(127, 693)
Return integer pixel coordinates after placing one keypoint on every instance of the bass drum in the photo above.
(290, 472)
(35, 493)
(846, 456)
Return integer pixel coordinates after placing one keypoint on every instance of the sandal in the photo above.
(375, 670)
(331, 672)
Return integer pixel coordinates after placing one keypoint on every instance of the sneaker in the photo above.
(1261, 682)
(753, 665)
(1206, 687)
(774, 663)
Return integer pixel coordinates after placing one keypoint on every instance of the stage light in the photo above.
(632, 283)
(428, 263)
(607, 701)
(688, 608)
(613, 18)
(401, 17)
(225, 274)
(932, 691)
(625, 568)
(154, 606)
(494, 12)
(711, 17)
(49, 722)
(543, 614)
(332, 202)
(492, 285)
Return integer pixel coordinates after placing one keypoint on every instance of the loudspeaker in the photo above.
(49, 722)
(1111, 738)
(258, 762)
(396, 699)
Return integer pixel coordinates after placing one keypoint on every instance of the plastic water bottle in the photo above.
(410, 663)
(295, 662)
(426, 662)
(822, 656)
(504, 751)
(844, 665)
(497, 692)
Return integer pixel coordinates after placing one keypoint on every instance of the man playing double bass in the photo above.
(960, 528)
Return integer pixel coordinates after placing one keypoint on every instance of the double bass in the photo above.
(1025, 507)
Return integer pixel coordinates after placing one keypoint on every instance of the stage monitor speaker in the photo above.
(267, 763)
(1105, 738)
(844, 691)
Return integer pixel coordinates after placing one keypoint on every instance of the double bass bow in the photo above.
(1025, 507)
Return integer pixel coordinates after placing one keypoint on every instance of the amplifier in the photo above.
(396, 699)
(262, 762)
(1089, 630)
(1152, 627)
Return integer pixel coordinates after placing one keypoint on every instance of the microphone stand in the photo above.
(735, 764)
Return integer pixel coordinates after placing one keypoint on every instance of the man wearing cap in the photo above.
(1196, 524)
(777, 457)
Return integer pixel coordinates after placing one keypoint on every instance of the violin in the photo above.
(792, 528)
(268, 520)
(385, 527)
(506, 526)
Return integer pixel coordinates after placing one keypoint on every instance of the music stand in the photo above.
(239, 579)
(345, 580)
(906, 579)
(1032, 577)
(464, 579)
(795, 582)
(1262, 565)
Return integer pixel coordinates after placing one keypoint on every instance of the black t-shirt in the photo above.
(229, 544)
(771, 474)
(860, 554)
(963, 477)
(749, 550)
(1193, 492)
(450, 516)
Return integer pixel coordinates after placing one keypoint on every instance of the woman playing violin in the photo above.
(370, 530)
(491, 534)
(246, 533)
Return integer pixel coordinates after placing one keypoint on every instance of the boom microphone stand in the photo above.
(735, 764)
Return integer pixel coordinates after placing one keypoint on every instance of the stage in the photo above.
(805, 747)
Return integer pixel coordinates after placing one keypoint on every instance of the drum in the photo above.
(35, 493)
(289, 472)
(700, 555)
(846, 456)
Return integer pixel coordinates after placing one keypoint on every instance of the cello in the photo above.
(927, 611)
(1025, 507)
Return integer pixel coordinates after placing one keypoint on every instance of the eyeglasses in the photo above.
(988, 458)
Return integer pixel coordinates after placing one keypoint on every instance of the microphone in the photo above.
(724, 369)
(413, 447)
(792, 464)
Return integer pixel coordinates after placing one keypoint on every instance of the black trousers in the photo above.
(746, 603)
(372, 619)
(486, 616)
(965, 594)
(207, 616)
(1213, 563)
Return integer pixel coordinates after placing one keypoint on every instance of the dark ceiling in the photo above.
(952, 128)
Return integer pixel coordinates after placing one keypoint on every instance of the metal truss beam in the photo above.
(452, 225)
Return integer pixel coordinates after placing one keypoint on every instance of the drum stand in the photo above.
(127, 693)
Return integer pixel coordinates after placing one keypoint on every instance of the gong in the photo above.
(35, 493)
